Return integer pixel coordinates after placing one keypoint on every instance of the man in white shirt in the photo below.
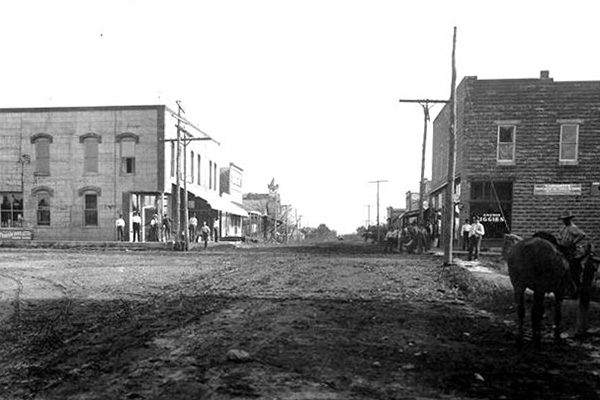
(465, 233)
(120, 224)
(136, 220)
(475, 237)
(193, 228)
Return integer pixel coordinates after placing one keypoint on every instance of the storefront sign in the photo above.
(16, 234)
(557, 189)
(492, 217)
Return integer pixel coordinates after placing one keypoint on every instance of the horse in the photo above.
(537, 264)
(540, 265)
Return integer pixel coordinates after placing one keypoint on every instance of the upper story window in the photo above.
(192, 166)
(90, 151)
(210, 175)
(569, 141)
(172, 159)
(42, 153)
(215, 176)
(128, 143)
(506, 143)
(199, 169)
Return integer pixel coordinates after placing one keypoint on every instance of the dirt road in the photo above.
(335, 321)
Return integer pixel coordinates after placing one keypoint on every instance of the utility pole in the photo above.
(368, 221)
(378, 182)
(448, 225)
(177, 197)
(182, 227)
(425, 104)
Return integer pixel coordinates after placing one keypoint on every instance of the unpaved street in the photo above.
(334, 321)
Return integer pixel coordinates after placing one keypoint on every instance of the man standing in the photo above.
(120, 224)
(466, 231)
(137, 225)
(193, 228)
(166, 227)
(475, 237)
(569, 238)
(205, 232)
(216, 230)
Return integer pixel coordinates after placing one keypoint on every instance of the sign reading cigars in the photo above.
(557, 189)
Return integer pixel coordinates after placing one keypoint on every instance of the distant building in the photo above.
(67, 173)
(527, 150)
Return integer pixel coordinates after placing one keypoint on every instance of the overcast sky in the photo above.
(305, 92)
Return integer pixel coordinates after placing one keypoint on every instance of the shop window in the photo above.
(506, 143)
(569, 138)
(11, 210)
(492, 202)
(90, 211)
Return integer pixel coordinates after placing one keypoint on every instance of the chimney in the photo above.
(544, 74)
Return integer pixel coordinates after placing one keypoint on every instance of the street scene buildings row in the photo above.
(69, 173)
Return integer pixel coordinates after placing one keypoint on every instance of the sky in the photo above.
(303, 92)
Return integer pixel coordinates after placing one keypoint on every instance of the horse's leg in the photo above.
(585, 294)
(558, 298)
(537, 312)
(520, 300)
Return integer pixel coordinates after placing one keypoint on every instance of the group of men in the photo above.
(412, 238)
(195, 233)
(160, 229)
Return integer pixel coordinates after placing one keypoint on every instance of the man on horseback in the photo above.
(569, 239)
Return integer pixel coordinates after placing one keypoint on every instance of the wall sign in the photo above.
(16, 234)
(557, 189)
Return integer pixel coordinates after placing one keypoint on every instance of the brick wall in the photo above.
(536, 106)
(67, 175)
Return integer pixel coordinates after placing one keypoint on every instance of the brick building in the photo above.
(527, 150)
(68, 173)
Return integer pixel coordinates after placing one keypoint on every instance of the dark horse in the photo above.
(538, 264)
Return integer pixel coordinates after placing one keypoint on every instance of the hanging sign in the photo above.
(557, 189)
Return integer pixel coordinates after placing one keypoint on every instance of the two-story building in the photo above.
(527, 150)
(67, 173)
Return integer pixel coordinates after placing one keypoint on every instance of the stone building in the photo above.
(67, 173)
(527, 150)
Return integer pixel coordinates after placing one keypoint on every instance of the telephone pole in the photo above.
(378, 182)
(425, 103)
(368, 222)
(448, 225)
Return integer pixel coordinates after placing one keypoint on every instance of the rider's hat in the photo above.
(566, 215)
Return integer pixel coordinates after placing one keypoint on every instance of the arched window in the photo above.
(43, 195)
(90, 205)
(128, 143)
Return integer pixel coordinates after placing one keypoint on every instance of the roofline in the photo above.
(83, 108)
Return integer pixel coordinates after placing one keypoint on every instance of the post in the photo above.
(422, 181)
(177, 196)
(378, 182)
(448, 225)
